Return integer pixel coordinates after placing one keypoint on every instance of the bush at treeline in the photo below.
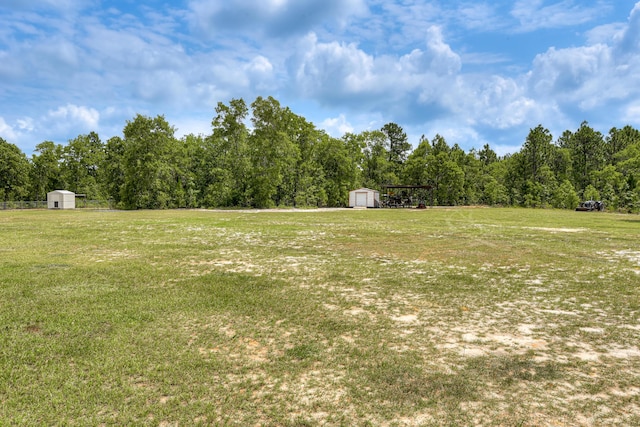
(284, 160)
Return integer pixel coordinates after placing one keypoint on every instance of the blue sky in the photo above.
(475, 72)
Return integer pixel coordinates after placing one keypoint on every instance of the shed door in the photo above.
(361, 199)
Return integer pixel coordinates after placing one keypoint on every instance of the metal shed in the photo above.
(61, 199)
(364, 198)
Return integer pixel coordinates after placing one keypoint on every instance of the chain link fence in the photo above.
(40, 204)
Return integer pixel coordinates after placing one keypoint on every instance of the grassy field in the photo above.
(304, 318)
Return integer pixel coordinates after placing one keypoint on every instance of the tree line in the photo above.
(284, 160)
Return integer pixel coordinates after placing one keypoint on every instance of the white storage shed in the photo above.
(61, 199)
(364, 198)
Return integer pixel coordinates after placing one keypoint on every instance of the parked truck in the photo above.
(590, 205)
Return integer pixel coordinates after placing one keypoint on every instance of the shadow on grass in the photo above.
(510, 370)
(402, 381)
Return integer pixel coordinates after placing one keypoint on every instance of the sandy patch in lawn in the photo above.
(108, 256)
(407, 318)
(200, 267)
(593, 330)
(557, 230)
(448, 329)
(623, 352)
(294, 268)
(473, 343)
(628, 255)
(355, 311)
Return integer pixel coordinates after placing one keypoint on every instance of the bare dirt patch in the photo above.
(557, 229)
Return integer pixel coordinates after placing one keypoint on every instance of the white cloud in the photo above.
(260, 73)
(628, 40)
(343, 73)
(535, 14)
(475, 58)
(332, 70)
(437, 58)
(337, 126)
(631, 113)
(61, 5)
(70, 117)
(25, 124)
(10, 68)
(496, 101)
(442, 58)
(165, 87)
(130, 48)
(604, 34)
(564, 71)
(136, 65)
(593, 75)
(399, 25)
(191, 125)
(504, 149)
(6, 131)
(279, 18)
(260, 65)
(413, 62)
(83, 115)
(60, 56)
(416, 88)
(479, 16)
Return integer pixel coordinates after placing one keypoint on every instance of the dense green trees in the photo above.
(581, 164)
(45, 172)
(112, 170)
(149, 163)
(14, 172)
(340, 161)
(437, 165)
(225, 162)
(82, 159)
(264, 155)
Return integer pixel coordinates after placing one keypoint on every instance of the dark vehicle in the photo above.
(590, 205)
(393, 201)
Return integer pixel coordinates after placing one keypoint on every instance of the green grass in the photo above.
(303, 318)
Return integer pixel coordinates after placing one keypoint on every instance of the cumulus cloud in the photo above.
(418, 87)
(334, 72)
(504, 149)
(25, 124)
(631, 112)
(337, 126)
(192, 124)
(343, 73)
(593, 75)
(82, 115)
(413, 62)
(260, 73)
(565, 71)
(628, 40)
(6, 131)
(71, 117)
(437, 58)
(496, 101)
